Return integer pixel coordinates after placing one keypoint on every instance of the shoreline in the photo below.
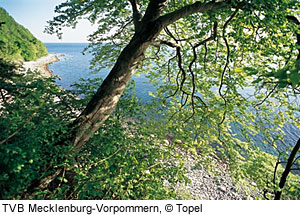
(42, 63)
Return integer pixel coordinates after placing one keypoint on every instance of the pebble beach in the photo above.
(41, 64)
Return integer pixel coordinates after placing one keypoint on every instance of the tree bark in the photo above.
(287, 170)
(106, 98)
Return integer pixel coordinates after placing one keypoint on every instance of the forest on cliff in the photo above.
(17, 42)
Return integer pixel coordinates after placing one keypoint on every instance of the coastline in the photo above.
(42, 63)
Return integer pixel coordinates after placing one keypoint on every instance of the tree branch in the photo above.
(275, 169)
(137, 16)
(287, 170)
(182, 71)
(296, 159)
(269, 94)
(154, 10)
(293, 19)
(195, 56)
(164, 42)
(226, 65)
(168, 32)
(46, 181)
(197, 7)
(19, 129)
(296, 21)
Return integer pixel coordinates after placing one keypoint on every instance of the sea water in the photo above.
(74, 65)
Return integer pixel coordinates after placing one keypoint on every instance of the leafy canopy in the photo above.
(227, 79)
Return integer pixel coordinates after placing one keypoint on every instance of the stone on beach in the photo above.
(41, 64)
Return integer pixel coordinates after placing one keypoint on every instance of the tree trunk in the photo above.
(106, 98)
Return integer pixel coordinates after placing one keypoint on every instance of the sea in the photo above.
(74, 65)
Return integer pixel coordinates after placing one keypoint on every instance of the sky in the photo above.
(34, 14)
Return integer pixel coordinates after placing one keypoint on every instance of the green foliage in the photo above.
(226, 96)
(16, 42)
(31, 122)
(123, 160)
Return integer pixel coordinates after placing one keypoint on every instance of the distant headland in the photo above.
(16, 42)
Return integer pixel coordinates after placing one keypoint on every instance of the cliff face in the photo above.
(17, 42)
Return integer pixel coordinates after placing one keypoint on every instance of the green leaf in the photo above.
(151, 94)
(295, 78)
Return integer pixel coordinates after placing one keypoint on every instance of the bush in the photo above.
(121, 161)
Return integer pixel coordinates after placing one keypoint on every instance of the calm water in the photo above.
(74, 65)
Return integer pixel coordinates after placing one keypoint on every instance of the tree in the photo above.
(204, 53)
(222, 18)
(147, 29)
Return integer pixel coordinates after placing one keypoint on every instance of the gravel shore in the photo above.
(207, 186)
(41, 64)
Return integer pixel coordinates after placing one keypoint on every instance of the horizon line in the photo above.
(66, 42)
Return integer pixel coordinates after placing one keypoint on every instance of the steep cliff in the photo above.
(17, 42)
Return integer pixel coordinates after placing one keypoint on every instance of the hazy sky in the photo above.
(34, 14)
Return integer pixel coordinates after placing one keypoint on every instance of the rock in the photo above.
(223, 188)
(206, 176)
